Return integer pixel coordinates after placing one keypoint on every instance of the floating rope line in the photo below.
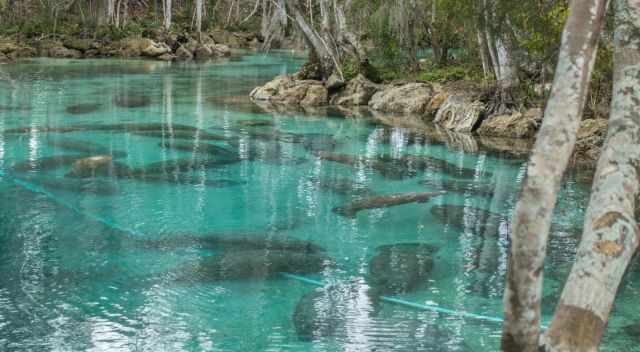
(110, 223)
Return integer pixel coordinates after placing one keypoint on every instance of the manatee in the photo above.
(252, 264)
(86, 147)
(323, 311)
(456, 186)
(275, 156)
(184, 135)
(400, 269)
(47, 163)
(256, 123)
(185, 165)
(99, 166)
(342, 186)
(204, 148)
(181, 179)
(394, 169)
(480, 221)
(423, 163)
(633, 330)
(234, 242)
(132, 101)
(350, 210)
(42, 129)
(95, 187)
(319, 142)
(413, 247)
(119, 127)
(81, 109)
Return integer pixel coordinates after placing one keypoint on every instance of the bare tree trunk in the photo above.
(199, 6)
(482, 48)
(166, 6)
(611, 232)
(549, 159)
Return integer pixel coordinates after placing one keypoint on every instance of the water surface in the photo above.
(123, 261)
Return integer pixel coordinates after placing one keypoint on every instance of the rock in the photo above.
(460, 112)
(4, 59)
(166, 57)
(287, 91)
(132, 47)
(400, 269)
(410, 98)
(590, 140)
(62, 52)
(516, 125)
(335, 82)
(356, 92)
(7, 46)
(221, 50)
(437, 101)
(79, 44)
(183, 54)
(202, 52)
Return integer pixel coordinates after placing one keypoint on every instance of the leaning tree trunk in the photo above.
(549, 159)
(199, 6)
(611, 232)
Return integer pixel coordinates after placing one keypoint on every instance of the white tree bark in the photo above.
(199, 6)
(166, 7)
(549, 159)
(611, 232)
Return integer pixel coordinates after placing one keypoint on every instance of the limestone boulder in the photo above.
(183, 54)
(63, 52)
(288, 91)
(460, 112)
(516, 125)
(82, 45)
(356, 92)
(407, 98)
(131, 47)
(7, 46)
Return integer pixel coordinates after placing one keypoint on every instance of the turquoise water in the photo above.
(130, 260)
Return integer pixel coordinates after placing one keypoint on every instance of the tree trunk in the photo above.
(549, 159)
(166, 6)
(199, 6)
(611, 232)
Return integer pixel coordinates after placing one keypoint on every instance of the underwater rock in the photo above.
(400, 269)
(204, 148)
(234, 242)
(86, 147)
(462, 187)
(350, 210)
(321, 312)
(47, 163)
(481, 222)
(95, 187)
(184, 135)
(81, 109)
(132, 101)
(252, 264)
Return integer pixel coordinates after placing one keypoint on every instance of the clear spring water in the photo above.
(124, 271)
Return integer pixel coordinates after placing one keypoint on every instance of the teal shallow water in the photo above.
(124, 263)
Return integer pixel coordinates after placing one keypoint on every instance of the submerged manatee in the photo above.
(323, 311)
(256, 123)
(86, 147)
(318, 142)
(132, 101)
(350, 210)
(456, 186)
(118, 127)
(182, 179)
(400, 269)
(99, 166)
(95, 187)
(47, 163)
(252, 264)
(204, 148)
(234, 242)
(185, 165)
(481, 222)
(342, 186)
(80, 109)
(184, 135)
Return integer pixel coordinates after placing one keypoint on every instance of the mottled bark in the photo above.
(549, 159)
(611, 232)
(199, 6)
(166, 7)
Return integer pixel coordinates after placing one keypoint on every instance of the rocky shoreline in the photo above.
(157, 46)
(455, 113)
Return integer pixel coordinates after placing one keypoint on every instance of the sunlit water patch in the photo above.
(152, 206)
